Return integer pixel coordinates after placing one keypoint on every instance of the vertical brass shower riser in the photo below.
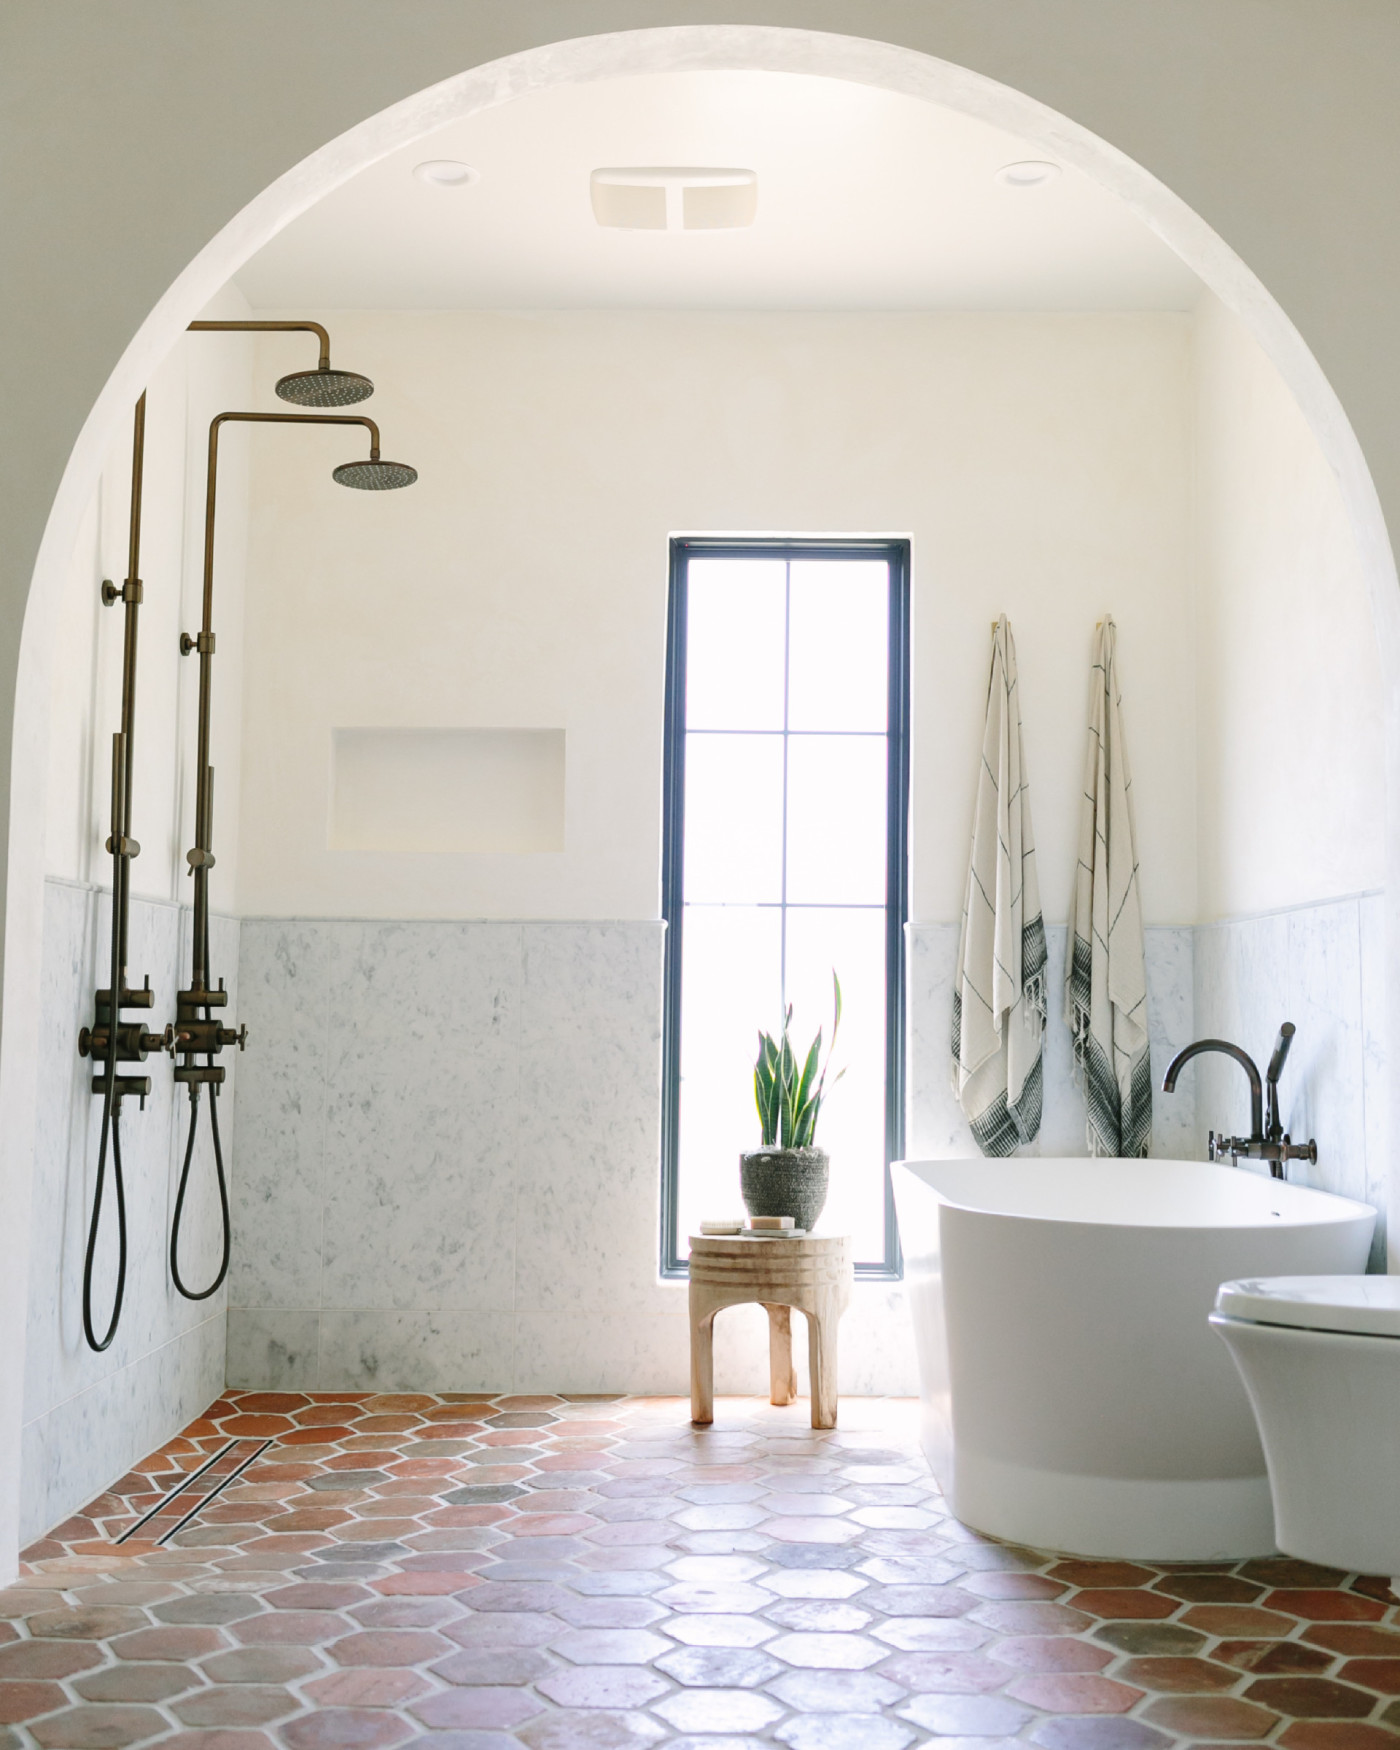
(198, 1033)
(110, 1040)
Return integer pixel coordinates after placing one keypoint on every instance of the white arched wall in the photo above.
(883, 64)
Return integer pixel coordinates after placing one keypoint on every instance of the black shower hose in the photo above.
(111, 1131)
(217, 1283)
(111, 1128)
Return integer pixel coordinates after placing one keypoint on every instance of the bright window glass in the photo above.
(782, 717)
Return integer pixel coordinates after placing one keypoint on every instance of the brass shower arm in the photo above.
(322, 364)
(212, 479)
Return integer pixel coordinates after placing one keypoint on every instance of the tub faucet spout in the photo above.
(1245, 1061)
(1273, 1145)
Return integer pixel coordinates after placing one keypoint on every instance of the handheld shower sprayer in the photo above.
(197, 1032)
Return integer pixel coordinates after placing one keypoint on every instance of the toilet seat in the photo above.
(1358, 1305)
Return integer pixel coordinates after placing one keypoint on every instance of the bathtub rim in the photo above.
(1324, 1208)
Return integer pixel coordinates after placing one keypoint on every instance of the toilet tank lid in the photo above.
(1366, 1304)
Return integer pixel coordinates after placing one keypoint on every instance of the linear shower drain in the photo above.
(193, 1493)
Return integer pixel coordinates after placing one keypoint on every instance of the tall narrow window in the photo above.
(786, 795)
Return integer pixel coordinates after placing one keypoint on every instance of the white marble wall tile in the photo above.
(425, 1083)
(375, 1350)
(1376, 1067)
(61, 1371)
(588, 1150)
(1170, 955)
(1322, 1092)
(271, 1349)
(76, 1450)
(607, 1352)
(936, 1127)
(278, 1184)
(1320, 967)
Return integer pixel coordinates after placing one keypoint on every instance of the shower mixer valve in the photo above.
(134, 1041)
(193, 1034)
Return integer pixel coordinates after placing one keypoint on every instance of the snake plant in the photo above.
(789, 1102)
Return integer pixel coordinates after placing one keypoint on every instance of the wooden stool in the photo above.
(813, 1273)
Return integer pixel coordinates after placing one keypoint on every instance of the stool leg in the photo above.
(822, 1326)
(702, 1358)
(781, 1374)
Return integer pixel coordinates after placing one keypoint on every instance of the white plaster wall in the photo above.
(1041, 464)
(87, 1417)
(1291, 761)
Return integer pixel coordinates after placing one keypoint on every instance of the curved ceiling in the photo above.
(867, 200)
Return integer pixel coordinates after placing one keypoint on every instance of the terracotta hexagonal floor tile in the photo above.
(1080, 1572)
(368, 1687)
(51, 1659)
(1382, 1675)
(1322, 1605)
(837, 1692)
(1275, 1658)
(142, 1682)
(1124, 1603)
(1209, 1588)
(1075, 1692)
(603, 1686)
(388, 1646)
(26, 1700)
(974, 1716)
(476, 1709)
(1215, 1716)
(1342, 1735)
(97, 1727)
(1050, 1653)
(732, 1711)
(1311, 1698)
(1101, 1732)
(1234, 1620)
(341, 1728)
(1176, 1676)
(945, 1673)
(240, 1704)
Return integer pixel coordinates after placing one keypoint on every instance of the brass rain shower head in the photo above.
(374, 475)
(322, 387)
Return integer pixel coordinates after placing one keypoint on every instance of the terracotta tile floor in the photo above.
(584, 1574)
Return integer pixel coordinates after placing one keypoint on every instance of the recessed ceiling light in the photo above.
(673, 198)
(1028, 173)
(446, 173)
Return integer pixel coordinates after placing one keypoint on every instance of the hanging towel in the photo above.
(1105, 980)
(999, 987)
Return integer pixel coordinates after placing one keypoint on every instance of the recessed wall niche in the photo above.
(447, 790)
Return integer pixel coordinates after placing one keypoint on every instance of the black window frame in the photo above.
(896, 553)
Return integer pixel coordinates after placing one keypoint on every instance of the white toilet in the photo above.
(1320, 1360)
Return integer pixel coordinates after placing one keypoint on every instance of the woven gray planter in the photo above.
(785, 1181)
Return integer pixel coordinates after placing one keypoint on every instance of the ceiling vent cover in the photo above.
(676, 198)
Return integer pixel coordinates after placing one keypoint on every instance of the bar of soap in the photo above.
(764, 1224)
(721, 1227)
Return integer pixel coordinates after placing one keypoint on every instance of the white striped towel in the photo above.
(999, 986)
(1105, 979)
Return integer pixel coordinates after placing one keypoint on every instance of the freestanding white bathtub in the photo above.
(1074, 1396)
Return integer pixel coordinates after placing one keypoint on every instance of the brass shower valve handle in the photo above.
(133, 591)
(203, 642)
(133, 1041)
(198, 859)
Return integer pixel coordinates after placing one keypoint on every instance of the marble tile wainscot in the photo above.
(447, 1175)
(89, 1417)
